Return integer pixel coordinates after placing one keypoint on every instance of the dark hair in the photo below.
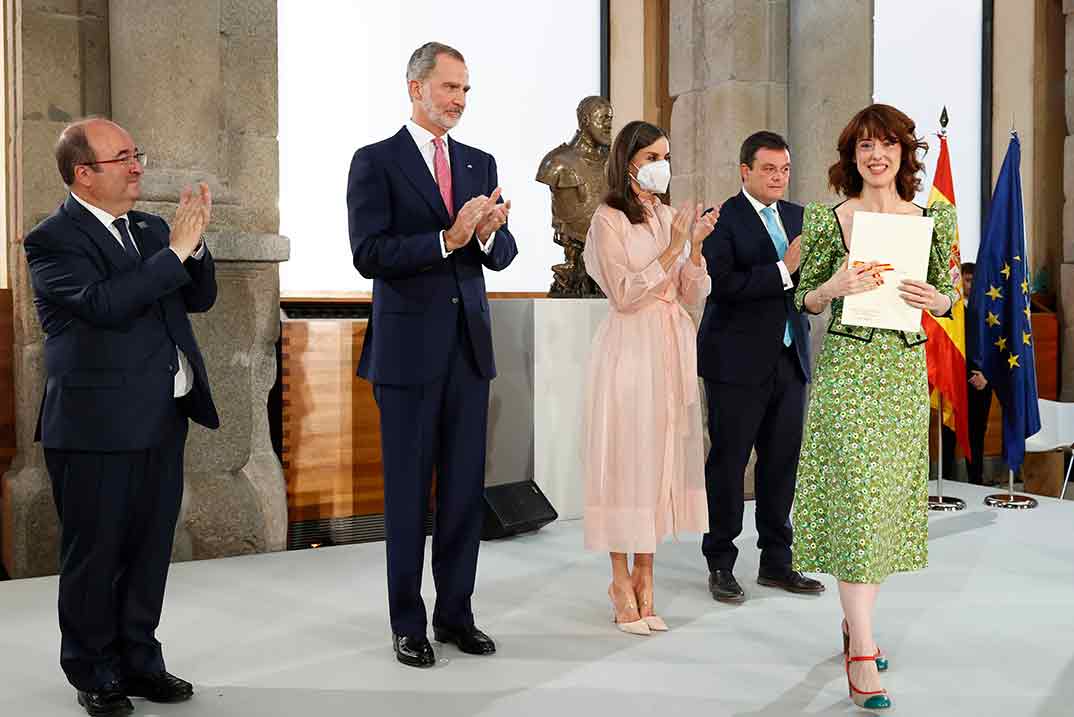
(885, 123)
(72, 149)
(758, 140)
(969, 267)
(634, 136)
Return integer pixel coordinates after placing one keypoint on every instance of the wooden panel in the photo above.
(331, 433)
(364, 297)
(1043, 473)
(7, 380)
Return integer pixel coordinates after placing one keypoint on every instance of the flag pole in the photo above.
(940, 501)
(1010, 499)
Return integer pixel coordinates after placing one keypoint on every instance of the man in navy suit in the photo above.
(425, 220)
(113, 288)
(753, 352)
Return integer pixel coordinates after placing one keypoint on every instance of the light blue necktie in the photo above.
(779, 239)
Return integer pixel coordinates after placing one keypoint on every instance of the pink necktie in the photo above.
(443, 175)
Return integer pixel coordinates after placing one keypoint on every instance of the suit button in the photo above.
(454, 299)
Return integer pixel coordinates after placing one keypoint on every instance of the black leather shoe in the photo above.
(469, 640)
(107, 702)
(413, 651)
(790, 580)
(158, 687)
(724, 587)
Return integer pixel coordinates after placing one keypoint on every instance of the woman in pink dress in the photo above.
(643, 447)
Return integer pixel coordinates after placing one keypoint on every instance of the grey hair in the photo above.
(423, 60)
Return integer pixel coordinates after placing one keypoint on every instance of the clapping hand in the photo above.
(703, 224)
(191, 218)
(467, 219)
(792, 258)
(495, 217)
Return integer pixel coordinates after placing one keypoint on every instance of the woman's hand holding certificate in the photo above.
(902, 242)
(848, 280)
(924, 296)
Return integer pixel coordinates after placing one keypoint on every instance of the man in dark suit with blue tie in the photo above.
(425, 220)
(113, 288)
(753, 352)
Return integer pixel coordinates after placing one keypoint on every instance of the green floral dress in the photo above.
(861, 502)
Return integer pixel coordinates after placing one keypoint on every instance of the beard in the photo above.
(442, 119)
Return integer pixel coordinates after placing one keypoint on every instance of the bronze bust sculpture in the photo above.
(574, 172)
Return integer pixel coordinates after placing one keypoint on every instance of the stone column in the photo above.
(62, 69)
(728, 74)
(195, 84)
(1066, 278)
(831, 78)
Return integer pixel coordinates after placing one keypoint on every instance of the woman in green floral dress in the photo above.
(860, 509)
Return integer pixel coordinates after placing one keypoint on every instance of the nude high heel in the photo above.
(637, 627)
(655, 622)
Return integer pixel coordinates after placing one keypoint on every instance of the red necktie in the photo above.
(443, 175)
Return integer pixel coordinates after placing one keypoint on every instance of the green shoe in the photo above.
(877, 700)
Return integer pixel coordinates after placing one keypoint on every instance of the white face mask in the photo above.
(654, 177)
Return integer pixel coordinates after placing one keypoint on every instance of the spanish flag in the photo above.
(945, 351)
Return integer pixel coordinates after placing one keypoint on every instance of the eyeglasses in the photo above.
(138, 156)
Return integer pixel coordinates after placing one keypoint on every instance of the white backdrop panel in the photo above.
(342, 68)
(927, 54)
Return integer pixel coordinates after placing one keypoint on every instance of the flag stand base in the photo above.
(1014, 501)
(946, 503)
(1010, 499)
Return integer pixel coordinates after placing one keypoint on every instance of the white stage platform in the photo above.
(987, 629)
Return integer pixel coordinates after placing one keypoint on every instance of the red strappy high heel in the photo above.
(880, 657)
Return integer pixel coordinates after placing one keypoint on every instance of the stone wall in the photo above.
(728, 75)
(831, 79)
(195, 84)
(738, 66)
(63, 69)
(1066, 278)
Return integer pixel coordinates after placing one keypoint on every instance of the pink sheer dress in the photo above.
(643, 455)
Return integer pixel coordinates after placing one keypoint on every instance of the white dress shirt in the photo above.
(424, 139)
(184, 377)
(757, 207)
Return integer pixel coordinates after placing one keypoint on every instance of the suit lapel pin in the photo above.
(142, 225)
(469, 166)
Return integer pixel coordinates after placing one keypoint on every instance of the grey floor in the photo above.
(987, 629)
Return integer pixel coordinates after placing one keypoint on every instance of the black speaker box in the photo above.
(513, 508)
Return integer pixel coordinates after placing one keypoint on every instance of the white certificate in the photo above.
(901, 242)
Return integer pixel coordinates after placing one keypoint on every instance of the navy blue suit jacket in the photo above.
(111, 326)
(741, 332)
(395, 216)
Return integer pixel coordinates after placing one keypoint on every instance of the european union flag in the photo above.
(1001, 297)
